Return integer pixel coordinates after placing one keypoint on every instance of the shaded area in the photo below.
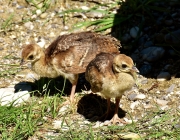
(158, 26)
(93, 106)
(53, 86)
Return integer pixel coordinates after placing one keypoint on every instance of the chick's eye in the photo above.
(30, 57)
(124, 65)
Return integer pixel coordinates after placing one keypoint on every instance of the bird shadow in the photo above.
(52, 86)
(93, 107)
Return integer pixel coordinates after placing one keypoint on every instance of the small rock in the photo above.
(63, 109)
(57, 124)
(152, 53)
(84, 8)
(98, 124)
(173, 37)
(177, 126)
(134, 104)
(20, 97)
(148, 44)
(144, 81)
(8, 96)
(161, 102)
(163, 76)
(29, 25)
(147, 106)
(134, 31)
(38, 12)
(43, 15)
(95, 14)
(130, 136)
(133, 97)
(128, 121)
(170, 89)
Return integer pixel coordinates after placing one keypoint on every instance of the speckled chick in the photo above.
(111, 75)
(68, 55)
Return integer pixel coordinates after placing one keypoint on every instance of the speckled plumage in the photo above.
(111, 75)
(68, 55)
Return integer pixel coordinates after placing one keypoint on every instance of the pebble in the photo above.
(173, 37)
(161, 102)
(63, 109)
(29, 25)
(38, 12)
(148, 44)
(129, 136)
(147, 106)
(163, 76)
(134, 104)
(144, 81)
(20, 97)
(57, 124)
(43, 15)
(134, 32)
(95, 14)
(177, 126)
(152, 54)
(98, 124)
(134, 97)
(170, 89)
(84, 8)
(7, 96)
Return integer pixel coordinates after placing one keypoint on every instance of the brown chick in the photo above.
(68, 55)
(111, 75)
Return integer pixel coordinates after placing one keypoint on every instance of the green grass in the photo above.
(21, 122)
(7, 22)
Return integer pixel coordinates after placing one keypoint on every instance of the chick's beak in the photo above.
(134, 69)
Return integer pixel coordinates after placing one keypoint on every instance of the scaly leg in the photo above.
(73, 89)
(115, 119)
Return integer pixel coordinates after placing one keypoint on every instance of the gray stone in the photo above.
(170, 89)
(134, 31)
(134, 97)
(161, 102)
(163, 76)
(152, 53)
(8, 97)
(173, 37)
(148, 44)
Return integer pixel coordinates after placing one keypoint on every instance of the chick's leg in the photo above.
(73, 89)
(70, 99)
(116, 118)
